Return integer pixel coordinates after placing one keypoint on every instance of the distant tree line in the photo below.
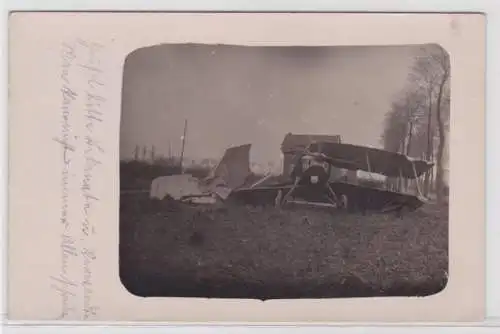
(418, 120)
(146, 165)
(150, 155)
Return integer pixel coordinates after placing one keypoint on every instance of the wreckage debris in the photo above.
(310, 185)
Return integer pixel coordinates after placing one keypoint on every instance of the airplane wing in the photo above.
(259, 195)
(361, 198)
(230, 173)
(234, 167)
(354, 157)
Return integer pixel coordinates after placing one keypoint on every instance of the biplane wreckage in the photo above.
(309, 181)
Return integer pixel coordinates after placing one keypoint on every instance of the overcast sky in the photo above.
(234, 95)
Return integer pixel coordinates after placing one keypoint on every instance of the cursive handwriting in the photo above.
(81, 114)
(68, 98)
(93, 101)
(62, 283)
(93, 114)
(89, 309)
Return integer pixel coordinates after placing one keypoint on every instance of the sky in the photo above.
(232, 95)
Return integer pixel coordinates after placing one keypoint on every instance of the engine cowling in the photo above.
(315, 171)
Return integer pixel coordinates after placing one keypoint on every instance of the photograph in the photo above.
(247, 168)
(284, 172)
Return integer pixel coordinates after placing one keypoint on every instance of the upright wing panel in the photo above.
(234, 167)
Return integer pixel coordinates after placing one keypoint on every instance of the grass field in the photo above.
(169, 249)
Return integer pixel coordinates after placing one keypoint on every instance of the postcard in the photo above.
(246, 167)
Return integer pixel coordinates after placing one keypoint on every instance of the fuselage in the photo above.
(315, 171)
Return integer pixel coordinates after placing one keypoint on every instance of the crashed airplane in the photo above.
(308, 183)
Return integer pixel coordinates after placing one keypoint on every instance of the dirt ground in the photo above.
(169, 249)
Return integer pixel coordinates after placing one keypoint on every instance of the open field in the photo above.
(169, 249)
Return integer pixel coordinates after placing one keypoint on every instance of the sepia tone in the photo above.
(192, 113)
(35, 295)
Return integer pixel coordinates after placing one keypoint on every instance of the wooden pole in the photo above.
(183, 143)
(368, 163)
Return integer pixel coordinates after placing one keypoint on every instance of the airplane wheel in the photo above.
(402, 211)
(344, 202)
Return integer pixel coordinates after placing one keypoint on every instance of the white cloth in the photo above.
(230, 173)
(176, 186)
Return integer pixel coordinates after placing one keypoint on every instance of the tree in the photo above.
(415, 104)
(403, 123)
(395, 128)
(431, 73)
(419, 117)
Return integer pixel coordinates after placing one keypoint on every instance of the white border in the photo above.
(493, 103)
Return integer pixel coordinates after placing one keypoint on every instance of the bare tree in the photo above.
(431, 73)
(414, 108)
(403, 123)
(395, 128)
(416, 111)
(427, 104)
(418, 119)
